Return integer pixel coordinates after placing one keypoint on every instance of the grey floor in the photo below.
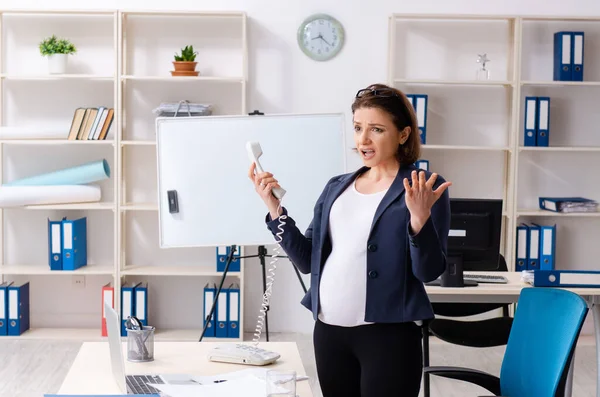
(30, 368)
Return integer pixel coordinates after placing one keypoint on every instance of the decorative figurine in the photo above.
(483, 73)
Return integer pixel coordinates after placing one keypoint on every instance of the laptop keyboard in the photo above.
(138, 383)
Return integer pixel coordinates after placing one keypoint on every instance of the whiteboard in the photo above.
(204, 160)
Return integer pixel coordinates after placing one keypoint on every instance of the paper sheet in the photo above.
(247, 386)
(259, 373)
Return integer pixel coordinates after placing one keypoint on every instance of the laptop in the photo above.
(134, 384)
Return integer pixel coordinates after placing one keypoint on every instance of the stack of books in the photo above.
(91, 123)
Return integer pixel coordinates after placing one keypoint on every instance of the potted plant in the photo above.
(185, 63)
(57, 51)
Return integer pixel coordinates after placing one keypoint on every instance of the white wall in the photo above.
(282, 79)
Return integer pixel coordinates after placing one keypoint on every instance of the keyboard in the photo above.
(485, 278)
(239, 353)
(137, 384)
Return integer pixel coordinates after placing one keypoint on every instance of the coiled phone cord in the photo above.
(270, 279)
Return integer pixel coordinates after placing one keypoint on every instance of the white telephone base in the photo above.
(238, 353)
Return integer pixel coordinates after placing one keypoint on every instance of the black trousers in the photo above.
(372, 360)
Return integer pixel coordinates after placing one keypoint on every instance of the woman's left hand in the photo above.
(420, 197)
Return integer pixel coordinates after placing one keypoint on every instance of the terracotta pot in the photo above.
(185, 66)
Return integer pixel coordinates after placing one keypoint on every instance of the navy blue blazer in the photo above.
(398, 263)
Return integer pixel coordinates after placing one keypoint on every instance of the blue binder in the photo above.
(531, 120)
(74, 243)
(209, 297)
(223, 254)
(222, 313)
(127, 304)
(18, 309)
(566, 278)
(422, 164)
(4, 308)
(420, 105)
(522, 247)
(578, 55)
(141, 303)
(547, 247)
(563, 56)
(233, 320)
(543, 123)
(55, 244)
(533, 257)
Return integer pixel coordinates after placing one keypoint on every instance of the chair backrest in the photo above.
(543, 336)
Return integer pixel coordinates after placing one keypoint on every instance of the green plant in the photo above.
(187, 54)
(54, 45)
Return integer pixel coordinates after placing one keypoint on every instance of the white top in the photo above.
(343, 288)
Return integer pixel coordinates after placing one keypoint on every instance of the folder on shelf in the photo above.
(222, 254)
(221, 314)
(74, 234)
(533, 262)
(108, 297)
(4, 308)
(420, 105)
(233, 330)
(141, 303)
(18, 309)
(563, 278)
(422, 164)
(568, 204)
(209, 297)
(578, 44)
(531, 119)
(543, 124)
(221, 257)
(55, 244)
(563, 56)
(547, 247)
(522, 247)
(127, 304)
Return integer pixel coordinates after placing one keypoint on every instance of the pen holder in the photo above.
(140, 344)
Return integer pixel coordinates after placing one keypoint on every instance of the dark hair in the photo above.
(398, 106)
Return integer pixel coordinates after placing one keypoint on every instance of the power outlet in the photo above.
(78, 281)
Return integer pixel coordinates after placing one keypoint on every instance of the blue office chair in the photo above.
(540, 347)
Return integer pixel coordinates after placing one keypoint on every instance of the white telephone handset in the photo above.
(254, 152)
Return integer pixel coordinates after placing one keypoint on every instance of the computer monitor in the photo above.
(475, 229)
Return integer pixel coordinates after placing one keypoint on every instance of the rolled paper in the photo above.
(78, 175)
(15, 196)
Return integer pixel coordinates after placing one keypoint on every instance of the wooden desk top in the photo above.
(91, 371)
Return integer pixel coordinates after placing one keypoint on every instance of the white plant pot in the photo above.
(57, 63)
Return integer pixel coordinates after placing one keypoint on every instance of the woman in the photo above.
(377, 235)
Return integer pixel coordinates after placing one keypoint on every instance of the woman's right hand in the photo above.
(263, 184)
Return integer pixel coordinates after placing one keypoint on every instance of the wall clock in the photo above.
(321, 37)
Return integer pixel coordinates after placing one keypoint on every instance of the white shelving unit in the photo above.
(124, 62)
(475, 127)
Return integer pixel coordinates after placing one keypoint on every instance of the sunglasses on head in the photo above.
(380, 92)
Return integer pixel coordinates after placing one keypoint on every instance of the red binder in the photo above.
(108, 296)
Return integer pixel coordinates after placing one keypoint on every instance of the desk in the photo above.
(509, 293)
(91, 371)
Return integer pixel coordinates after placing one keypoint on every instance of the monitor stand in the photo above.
(453, 276)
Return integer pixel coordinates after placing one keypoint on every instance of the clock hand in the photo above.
(325, 41)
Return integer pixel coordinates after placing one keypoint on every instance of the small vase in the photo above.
(57, 63)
